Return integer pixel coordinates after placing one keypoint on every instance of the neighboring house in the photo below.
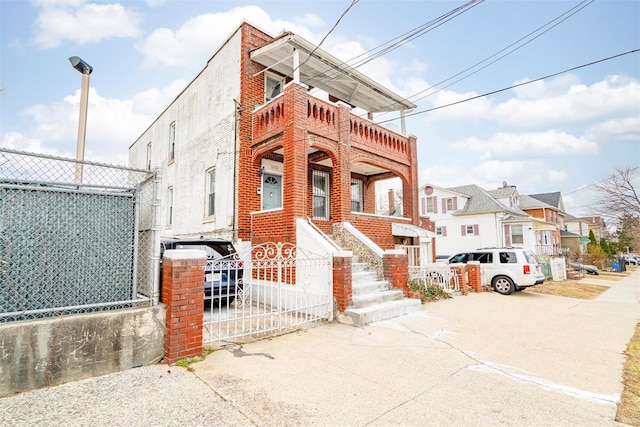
(469, 217)
(548, 239)
(274, 129)
(575, 235)
(597, 225)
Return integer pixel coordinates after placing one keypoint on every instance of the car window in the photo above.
(459, 258)
(530, 257)
(213, 251)
(483, 257)
(508, 258)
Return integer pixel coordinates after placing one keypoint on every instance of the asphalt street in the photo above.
(527, 359)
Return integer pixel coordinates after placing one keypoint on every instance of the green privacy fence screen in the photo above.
(69, 246)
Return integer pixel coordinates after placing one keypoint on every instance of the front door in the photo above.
(271, 191)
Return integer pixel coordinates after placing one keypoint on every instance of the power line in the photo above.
(332, 74)
(570, 13)
(514, 86)
(353, 3)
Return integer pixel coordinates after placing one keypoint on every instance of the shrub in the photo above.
(427, 292)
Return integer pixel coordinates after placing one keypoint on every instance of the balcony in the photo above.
(332, 122)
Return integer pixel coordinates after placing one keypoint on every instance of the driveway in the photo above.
(482, 359)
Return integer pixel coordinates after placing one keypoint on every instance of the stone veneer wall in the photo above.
(348, 241)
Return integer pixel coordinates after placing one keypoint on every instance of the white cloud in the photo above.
(477, 109)
(17, 141)
(112, 124)
(199, 37)
(546, 89)
(82, 22)
(528, 145)
(576, 106)
(619, 129)
(490, 174)
(155, 3)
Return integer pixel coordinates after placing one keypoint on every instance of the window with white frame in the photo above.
(357, 186)
(272, 86)
(320, 194)
(429, 205)
(170, 206)
(449, 203)
(516, 234)
(172, 141)
(211, 192)
(149, 156)
(469, 230)
(441, 231)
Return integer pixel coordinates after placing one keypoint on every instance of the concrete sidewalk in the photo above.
(483, 359)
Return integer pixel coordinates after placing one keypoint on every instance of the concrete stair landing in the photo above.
(374, 299)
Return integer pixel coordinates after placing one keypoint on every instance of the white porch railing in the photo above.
(436, 274)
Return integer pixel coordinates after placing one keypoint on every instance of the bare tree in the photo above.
(619, 194)
(620, 203)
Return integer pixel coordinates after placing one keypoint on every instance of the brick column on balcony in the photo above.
(183, 294)
(475, 278)
(343, 279)
(461, 272)
(395, 264)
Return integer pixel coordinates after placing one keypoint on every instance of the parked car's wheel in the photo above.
(503, 285)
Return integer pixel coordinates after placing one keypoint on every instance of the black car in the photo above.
(223, 273)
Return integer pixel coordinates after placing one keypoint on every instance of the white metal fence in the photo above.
(279, 287)
(436, 274)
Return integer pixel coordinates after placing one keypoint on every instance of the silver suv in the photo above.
(507, 269)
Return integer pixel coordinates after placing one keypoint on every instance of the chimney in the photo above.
(392, 202)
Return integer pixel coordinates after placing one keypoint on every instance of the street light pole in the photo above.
(86, 70)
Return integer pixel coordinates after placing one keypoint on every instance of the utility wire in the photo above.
(570, 13)
(515, 86)
(394, 43)
(353, 3)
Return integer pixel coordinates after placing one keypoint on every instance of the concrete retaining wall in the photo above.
(41, 353)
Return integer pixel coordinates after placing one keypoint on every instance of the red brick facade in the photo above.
(342, 281)
(183, 294)
(396, 270)
(301, 131)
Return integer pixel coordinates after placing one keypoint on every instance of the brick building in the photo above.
(274, 129)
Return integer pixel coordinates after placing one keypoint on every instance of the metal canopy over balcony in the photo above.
(324, 71)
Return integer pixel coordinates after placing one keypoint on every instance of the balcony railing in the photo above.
(325, 119)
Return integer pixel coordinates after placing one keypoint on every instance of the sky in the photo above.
(562, 133)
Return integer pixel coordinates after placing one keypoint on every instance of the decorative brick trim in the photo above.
(183, 294)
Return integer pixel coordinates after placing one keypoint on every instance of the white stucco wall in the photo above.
(488, 233)
(490, 227)
(204, 117)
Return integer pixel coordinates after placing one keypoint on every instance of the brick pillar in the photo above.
(410, 197)
(183, 294)
(395, 264)
(461, 272)
(342, 279)
(475, 279)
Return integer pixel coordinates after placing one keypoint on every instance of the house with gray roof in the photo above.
(575, 235)
(469, 217)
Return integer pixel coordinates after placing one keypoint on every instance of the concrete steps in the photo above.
(374, 299)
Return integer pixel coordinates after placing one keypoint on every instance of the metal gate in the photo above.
(279, 287)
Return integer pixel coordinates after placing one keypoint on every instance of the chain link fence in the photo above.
(75, 236)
